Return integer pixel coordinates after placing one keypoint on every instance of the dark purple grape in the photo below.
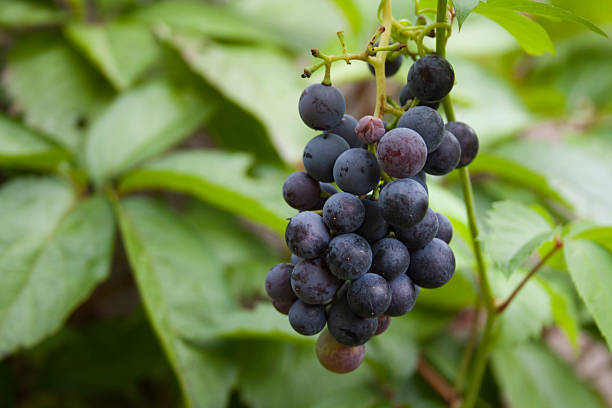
(301, 191)
(348, 328)
(445, 228)
(369, 296)
(282, 307)
(278, 283)
(306, 235)
(401, 153)
(321, 153)
(312, 282)
(374, 226)
(426, 122)
(321, 106)
(383, 324)
(432, 266)
(337, 357)
(406, 95)
(370, 129)
(356, 171)
(343, 213)
(403, 202)
(295, 259)
(403, 296)
(390, 258)
(431, 78)
(392, 64)
(468, 140)
(346, 129)
(307, 319)
(420, 234)
(445, 158)
(349, 256)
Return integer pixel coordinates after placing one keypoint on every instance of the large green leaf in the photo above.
(601, 235)
(23, 148)
(122, 50)
(140, 123)
(530, 35)
(179, 282)
(27, 13)
(218, 178)
(463, 8)
(514, 232)
(270, 92)
(590, 266)
(579, 177)
(545, 10)
(55, 88)
(532, 377)
(563, 310)
(54, 251)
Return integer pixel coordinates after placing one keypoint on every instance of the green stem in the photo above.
(379, 62)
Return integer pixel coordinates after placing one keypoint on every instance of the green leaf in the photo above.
(55, 88)
(545, 10)
(141, 123)
(463, 8)
(530, 35)
(351, 12)
(22, 148)
(563, 310)
(28, 13)
(54, 252)
(272, 98)
(514, 232)
(601, 235)
(529, 311)
(217, 178)
(531, 376)
(122, 50)
(179, 284)
(566, 168)
(589, 266)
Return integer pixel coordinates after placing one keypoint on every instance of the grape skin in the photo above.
(321, 153)
(402, 153)
(390, 258)
(307, 319)
(343, 213)
(445, 228)
(369, 296)
(421, 234)
(406, 95)
(348, 328)
(321, 106)
(312, 281)
(356, 171)
(346, 129)
(426, 122)
(337, 357)
(432, 266)
(306, 235)
(301, 191)
(374, 226)
(431, 78)
(468, 140)
(403, 202)
(349, 256)
(383, 324)
(445, 158)
(370, 129)
(391, 65)
(278, 283)
(403, 296)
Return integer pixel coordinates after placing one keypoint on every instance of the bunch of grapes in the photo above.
(361, 255)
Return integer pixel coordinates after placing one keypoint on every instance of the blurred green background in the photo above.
(116, 83)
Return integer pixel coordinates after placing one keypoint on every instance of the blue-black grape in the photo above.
(392, 64)
(282, 307)
(403, 202)
(327, 188)
(401, 153)
(337, 357)
(356, 171)
(321, 153)
(306, 235)
(307, 319)
(421, 179)
(374, 226)
(390, 258)
(420, 234)
(321, 106)
(369, 296)
(445, 228)
(301, 191)
(349, 256)
(312, 281)
(343, 213)
(348, 328)
(406, 95)
(445, 158)
(468, 140)
(346, 129)
(431, 78)
(278, 283)
(295, 259)
(426, 122)
(403, 296)
(432, 266)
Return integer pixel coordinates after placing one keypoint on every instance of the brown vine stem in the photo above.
(437, 382)
(558, 245)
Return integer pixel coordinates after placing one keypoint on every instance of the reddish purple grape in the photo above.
(370, 129)
(336, 357)
(402, 153)
(383, 324)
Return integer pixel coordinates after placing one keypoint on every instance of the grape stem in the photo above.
(437, 382)
(379, 61)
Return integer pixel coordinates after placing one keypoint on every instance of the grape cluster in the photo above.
(361, 255)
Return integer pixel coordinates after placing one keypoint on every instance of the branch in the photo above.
(438, 383)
